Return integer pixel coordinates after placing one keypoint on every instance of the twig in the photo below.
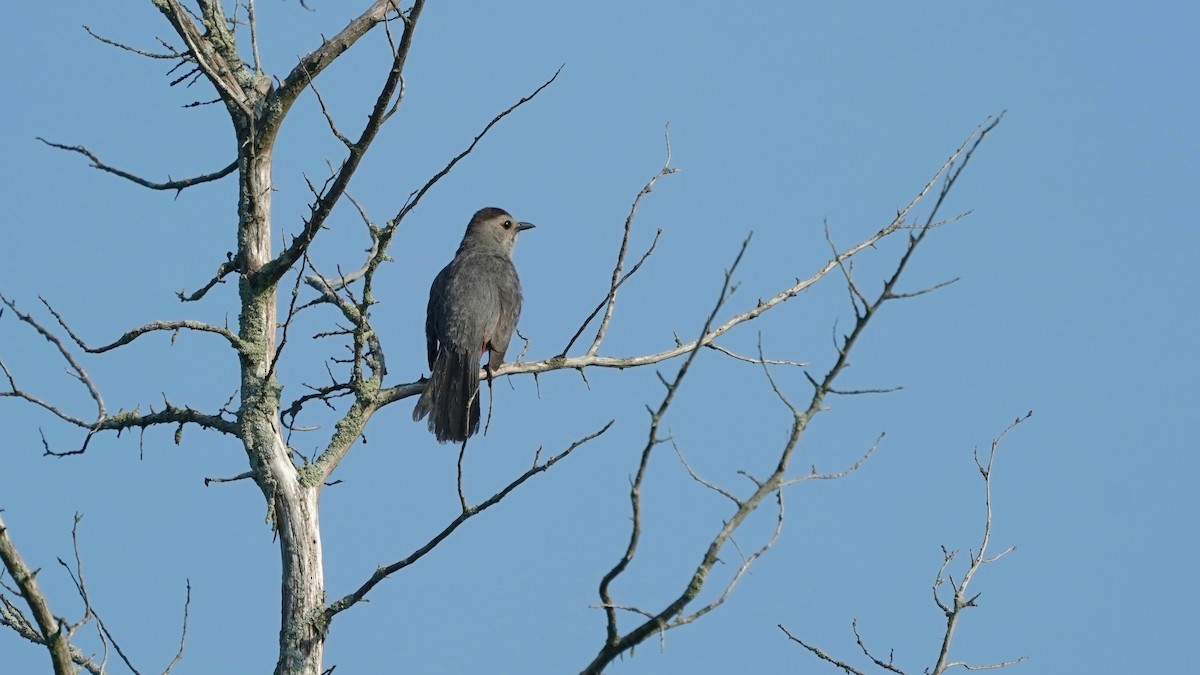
(187, 603)
(886, 665)
(696, 477)
(81, 588)
(742, 569)
(241, 476)
(224, 270)
(611, 300)
(462, 497)
(77, 369)
(252, 20)
(758, 360)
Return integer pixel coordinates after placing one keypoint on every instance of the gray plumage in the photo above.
(474, 304)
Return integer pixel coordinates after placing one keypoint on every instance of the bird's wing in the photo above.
(435, 312)
(508, 287)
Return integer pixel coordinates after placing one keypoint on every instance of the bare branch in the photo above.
(886, 665)
(240, 476)
(415, 197)
(253, 21)
(153, 326)
(122, 420)
(775, 388)
(813, 474)
(170, 184)
(462, 454)
(366, 355)
(13, 617)
(961, 598)
(857, 298)
(696, 477)
(171, 415)
(860, 392)
(988, 666)
(923, 291)
(384, 572)
(329, 117)
(287, 322)
(171, 55)
(755, 359)
(322, 394)
(225, 269)
(51, 631)
(819, 653)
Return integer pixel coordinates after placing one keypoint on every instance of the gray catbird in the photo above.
(474, 304)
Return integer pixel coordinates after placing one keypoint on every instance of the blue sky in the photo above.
(1077, 292)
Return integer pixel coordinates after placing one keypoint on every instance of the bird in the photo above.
(474, 304)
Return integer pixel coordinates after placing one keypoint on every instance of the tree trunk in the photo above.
(302, 627)
(291, 498)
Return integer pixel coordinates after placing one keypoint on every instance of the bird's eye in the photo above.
(508, 224)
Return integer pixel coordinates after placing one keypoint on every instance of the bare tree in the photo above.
(210, 45)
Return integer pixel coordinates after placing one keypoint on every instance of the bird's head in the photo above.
(494, 227)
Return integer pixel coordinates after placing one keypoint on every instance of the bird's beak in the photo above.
(524, 226)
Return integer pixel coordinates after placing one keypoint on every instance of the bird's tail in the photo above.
(451, 397)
